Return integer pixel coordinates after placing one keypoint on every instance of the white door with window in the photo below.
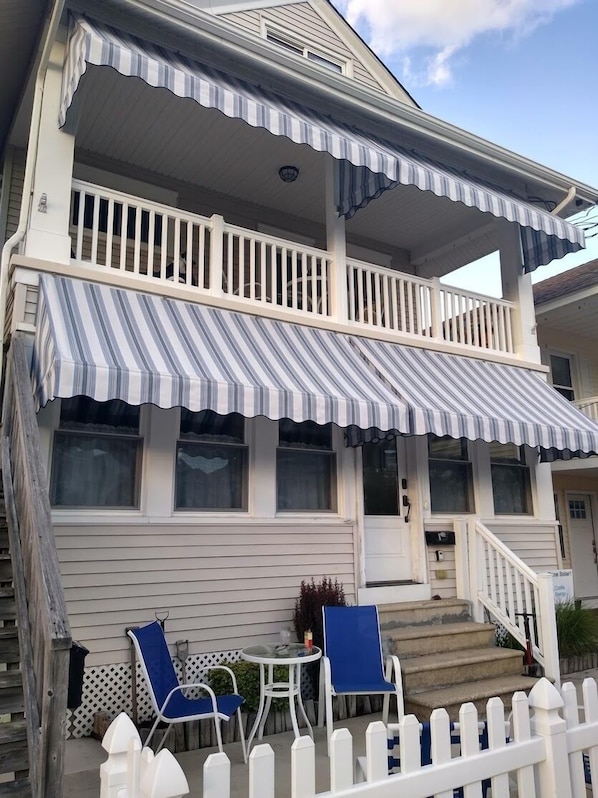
(387, 541)
(582, 540)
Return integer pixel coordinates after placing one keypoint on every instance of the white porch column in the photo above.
(336, 245)
(48, 232)
(517, 288)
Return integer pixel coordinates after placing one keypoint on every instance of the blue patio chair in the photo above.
(352, 663)
(168, 698)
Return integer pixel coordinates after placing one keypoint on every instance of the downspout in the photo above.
(569, 197)
(32, 147)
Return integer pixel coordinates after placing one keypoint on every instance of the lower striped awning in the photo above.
(465, 397)
(110, 343)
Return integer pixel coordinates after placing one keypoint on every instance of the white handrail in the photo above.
(507, 588)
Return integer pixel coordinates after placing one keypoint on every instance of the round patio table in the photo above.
(293, 656)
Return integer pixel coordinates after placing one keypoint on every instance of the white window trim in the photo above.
(575, 381)
(50, 423)
(307, 47)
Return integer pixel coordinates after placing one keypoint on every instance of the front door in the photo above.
(386, 513)
(583, 545)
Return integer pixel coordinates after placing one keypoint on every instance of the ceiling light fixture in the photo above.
(288, 174)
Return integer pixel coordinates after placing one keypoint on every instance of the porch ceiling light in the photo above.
(288, 174)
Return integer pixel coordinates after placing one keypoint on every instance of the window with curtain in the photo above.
(96, 455)
(451, 484)
(305, 467)
(211, 462)
(510, 479)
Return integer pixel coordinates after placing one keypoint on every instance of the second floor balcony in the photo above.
(208, 260)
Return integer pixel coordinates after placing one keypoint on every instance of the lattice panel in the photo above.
(107, 688)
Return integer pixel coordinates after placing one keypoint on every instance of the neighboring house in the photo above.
(567, 318)
(226, 239)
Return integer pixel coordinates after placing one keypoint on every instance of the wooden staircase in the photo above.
(447, 659)
(14, 756)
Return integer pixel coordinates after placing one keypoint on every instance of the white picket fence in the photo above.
(549, 750)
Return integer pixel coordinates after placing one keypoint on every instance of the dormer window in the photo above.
(282, 39)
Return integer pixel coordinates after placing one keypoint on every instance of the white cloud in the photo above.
(443, 27)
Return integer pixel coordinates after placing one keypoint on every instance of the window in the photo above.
(380, 478)
(211, 462)
(560, 368)
(450, 475)
(510, 479)
(305, 467)
(282, 39)
(96, 456)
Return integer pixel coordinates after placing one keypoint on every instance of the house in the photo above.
(566, 312)
(225, 227)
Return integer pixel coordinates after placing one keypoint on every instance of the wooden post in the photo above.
(261, 772)
(336, 245)
(436, 310)
(113, 772)
(216, 264)
(552, 773)
(303, 768)
(547, 622)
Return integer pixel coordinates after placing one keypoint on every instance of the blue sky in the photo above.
(517, 72)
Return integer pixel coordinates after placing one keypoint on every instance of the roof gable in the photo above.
(319, 28)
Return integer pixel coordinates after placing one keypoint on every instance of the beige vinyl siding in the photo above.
(224, 586)
(443, 573)
(16, 192)
(312, 30)
(535, 544)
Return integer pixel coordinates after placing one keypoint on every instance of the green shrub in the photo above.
(577, 629)
(248, 682)
(308, 607)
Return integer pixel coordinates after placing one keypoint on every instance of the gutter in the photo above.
(360, 99)
(32, 147)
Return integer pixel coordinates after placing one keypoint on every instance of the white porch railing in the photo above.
(115, 231)
(588, 406)
(501, 583)
(545, 756)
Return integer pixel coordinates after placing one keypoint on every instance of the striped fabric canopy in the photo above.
(468, 398)
(369, 165)
(109, 343)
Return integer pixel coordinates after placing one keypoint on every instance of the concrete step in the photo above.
(422, 704)
(419, 613)
(432, 671)
(411, 641)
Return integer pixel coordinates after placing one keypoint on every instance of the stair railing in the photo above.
(503, 585)
(44, 632)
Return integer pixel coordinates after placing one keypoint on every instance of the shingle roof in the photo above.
(568, 282)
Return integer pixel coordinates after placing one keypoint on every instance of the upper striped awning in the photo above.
(469, 398)
(369, 165)
(110, 343)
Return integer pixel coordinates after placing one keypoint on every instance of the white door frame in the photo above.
(593, 501)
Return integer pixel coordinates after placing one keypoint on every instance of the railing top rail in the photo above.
(473, 295)
(506, 552)
(58, 630)
(270, 239)
(585, 402)
(387, 270)
(109, 193)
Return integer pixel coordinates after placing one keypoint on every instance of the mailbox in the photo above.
(444, 538)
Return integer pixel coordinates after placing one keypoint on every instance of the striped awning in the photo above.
(369, 165)
(469, 398)
(110, 343)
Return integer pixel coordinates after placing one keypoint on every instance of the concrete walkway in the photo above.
(84, 757)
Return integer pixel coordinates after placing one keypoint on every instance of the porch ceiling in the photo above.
(579, 317)
(223, 156)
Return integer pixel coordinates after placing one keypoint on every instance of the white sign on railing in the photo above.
(562, 583)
